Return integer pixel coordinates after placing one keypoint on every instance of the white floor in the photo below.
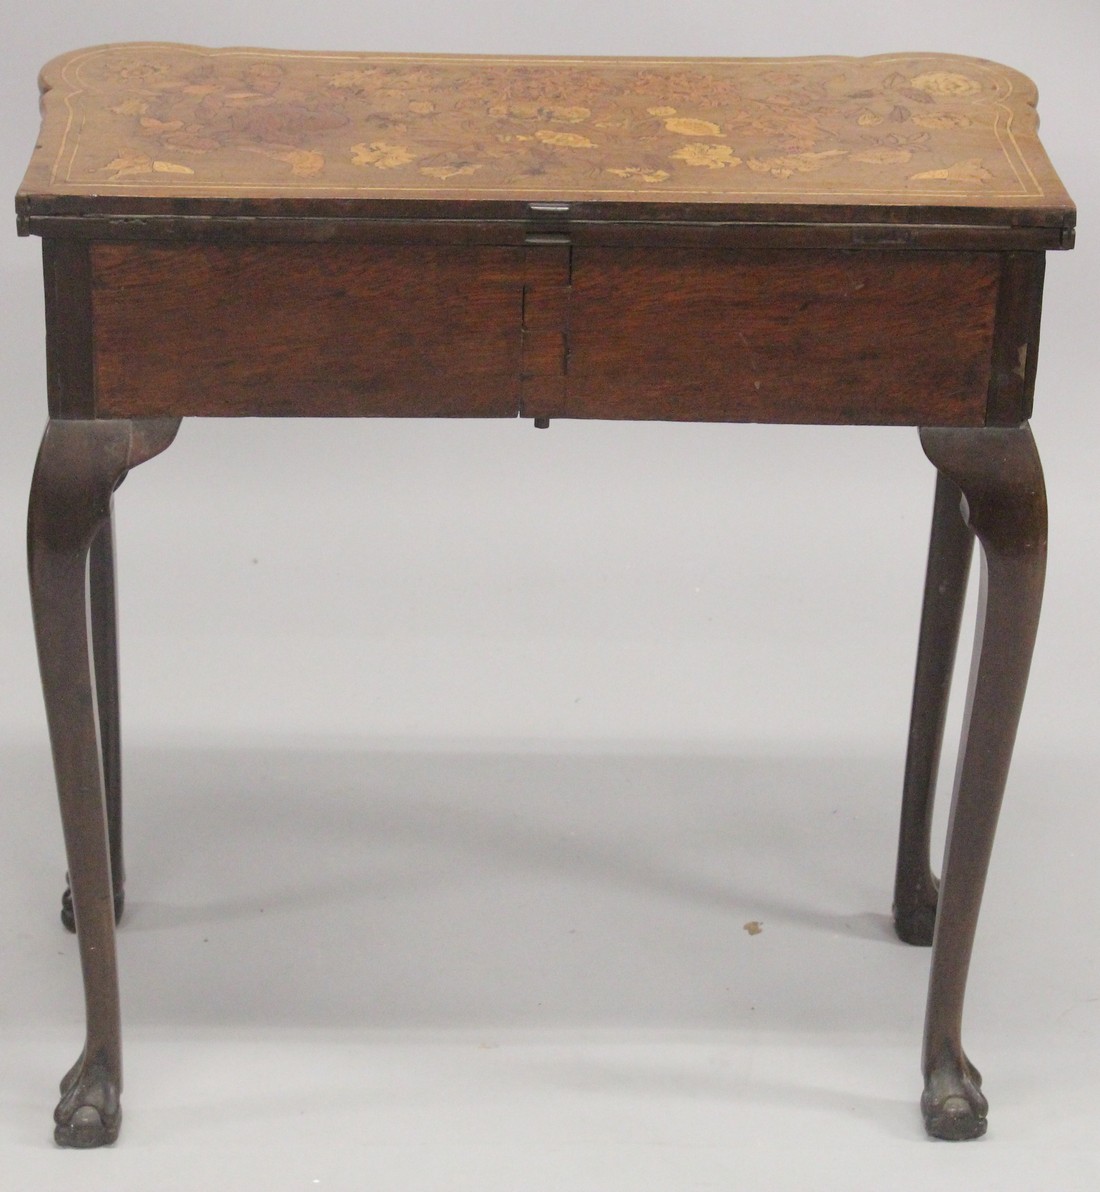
(348, 969)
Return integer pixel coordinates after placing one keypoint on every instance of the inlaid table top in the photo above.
(181, 130)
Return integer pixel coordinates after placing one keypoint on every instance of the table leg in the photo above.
(1004, 503)
(104, 622)
(80, 463)
(949, 554)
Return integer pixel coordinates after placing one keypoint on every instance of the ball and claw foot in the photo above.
(916, 924)
(68, 918)
(88, 1114)
(952, 1104)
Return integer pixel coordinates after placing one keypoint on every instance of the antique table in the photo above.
(827, 240)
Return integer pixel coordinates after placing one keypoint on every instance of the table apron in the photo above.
(543, 330)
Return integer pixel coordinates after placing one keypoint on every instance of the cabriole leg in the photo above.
(1004, 503)
(80, 463)
(949, 554)
(104, 621)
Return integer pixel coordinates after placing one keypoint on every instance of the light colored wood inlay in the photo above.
(165, 120)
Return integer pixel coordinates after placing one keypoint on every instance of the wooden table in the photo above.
(832, 240)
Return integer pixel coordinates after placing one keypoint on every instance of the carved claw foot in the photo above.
(952, 1103)
(89, 1113)
(68, 918)
(915, 922)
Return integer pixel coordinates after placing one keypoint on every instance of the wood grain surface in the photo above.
(296, 329)
(859, 337)
(553, 331)
(262, 131)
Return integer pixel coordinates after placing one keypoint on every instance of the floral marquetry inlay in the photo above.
(174, 120)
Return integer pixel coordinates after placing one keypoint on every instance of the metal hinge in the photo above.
(549, 223)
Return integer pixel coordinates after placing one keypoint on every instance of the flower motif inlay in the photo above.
(188, 118)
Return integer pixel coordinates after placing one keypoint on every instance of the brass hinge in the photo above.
(548, 223)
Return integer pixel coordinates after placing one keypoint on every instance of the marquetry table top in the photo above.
(185, 130)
